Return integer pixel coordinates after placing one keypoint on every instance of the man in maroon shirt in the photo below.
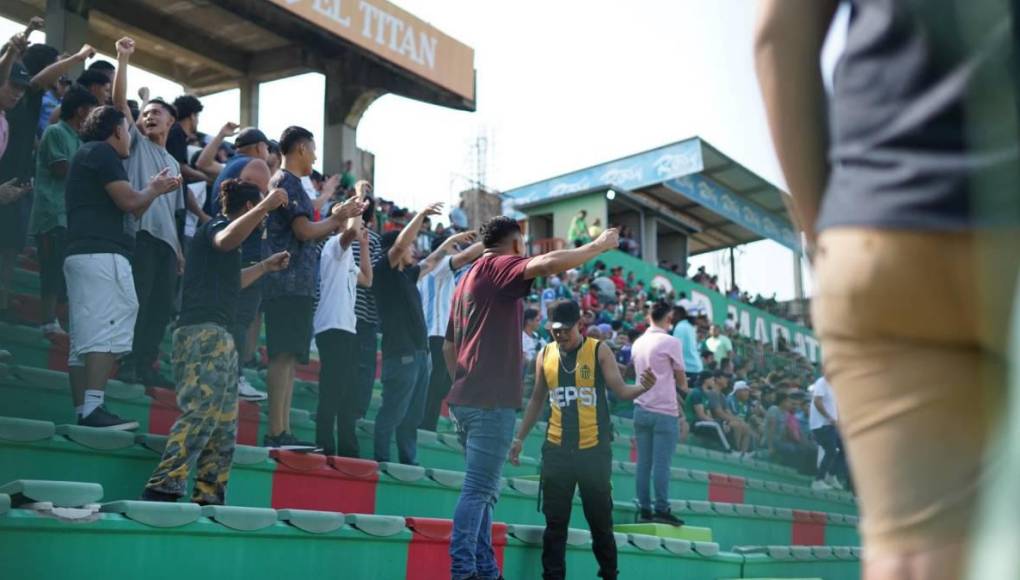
(484, 355)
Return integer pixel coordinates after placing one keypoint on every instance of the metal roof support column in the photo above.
(249, 102)
(67, 29)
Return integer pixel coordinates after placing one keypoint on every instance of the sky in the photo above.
(560, 86)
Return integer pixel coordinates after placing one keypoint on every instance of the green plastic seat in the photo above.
(25, 430)
(699, 507)
(843, 553)
(94, 438)
(677, 547)
(250, 455)
(528, 487)
(746, 511)
(802, 553)
(427, 437)
(155, 514)
(446, 477)
(125, 391)
(644, 542)
(707, 549)
(152, 442)
(400, 472)
(379, 526)
(243, 519)
(59, 493)
(823, 552)
(450, 440)
(723, 508)
(311, 521)
(5, 503)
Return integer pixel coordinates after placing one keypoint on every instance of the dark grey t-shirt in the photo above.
(923, 115)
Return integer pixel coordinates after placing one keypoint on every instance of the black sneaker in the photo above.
(645, 517)
(668, 518)
(288, 442)
(103, 419)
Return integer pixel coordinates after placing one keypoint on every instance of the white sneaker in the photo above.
(247, 392)
(820, 485)
(51, 328)
(834, 483)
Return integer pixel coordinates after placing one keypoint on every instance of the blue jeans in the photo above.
(486, 435)
(657, 435)
(405, 380)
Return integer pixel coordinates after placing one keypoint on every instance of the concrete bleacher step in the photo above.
(155, 514)
(58, 493)
(685, 532)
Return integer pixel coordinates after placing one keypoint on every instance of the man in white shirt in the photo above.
(822, 419)
(531, 344)
(436, 288)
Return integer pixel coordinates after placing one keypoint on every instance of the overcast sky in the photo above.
(561, 86)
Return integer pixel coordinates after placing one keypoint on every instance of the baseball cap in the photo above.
(565, 314)
(740, 386)
(250, 136)
(19, 75)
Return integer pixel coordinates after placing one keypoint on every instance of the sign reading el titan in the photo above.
(397, 36)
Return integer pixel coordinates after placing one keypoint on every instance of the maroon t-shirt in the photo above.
(485, 326)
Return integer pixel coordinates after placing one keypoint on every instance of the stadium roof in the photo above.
(718, 201)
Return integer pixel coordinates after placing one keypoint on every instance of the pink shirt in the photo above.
(4, 132)
(663, 353)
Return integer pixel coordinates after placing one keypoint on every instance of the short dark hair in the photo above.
(633, 334)
(92, 77)
(368, 216)
(316, 176)
(679, 313)
(660, 310)
(101, 123)
(274, 147)
(101, 65)
(166, 106)
(234, 193)
(39, 56)
(530, 314)
(76, 98)
(187, 105)
(498, 229)
(292, 136)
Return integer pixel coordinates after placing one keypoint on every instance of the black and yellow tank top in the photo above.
(577, 394)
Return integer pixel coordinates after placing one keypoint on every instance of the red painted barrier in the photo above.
(428, 554)
(808, 528)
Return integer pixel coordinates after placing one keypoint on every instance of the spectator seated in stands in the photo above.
(784, 440)
(697, 410)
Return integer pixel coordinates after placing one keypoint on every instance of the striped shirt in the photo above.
(436, 290)
(364, 307)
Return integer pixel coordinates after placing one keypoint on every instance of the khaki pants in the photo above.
(913, 327)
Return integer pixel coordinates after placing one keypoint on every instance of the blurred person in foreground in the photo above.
(921, 190)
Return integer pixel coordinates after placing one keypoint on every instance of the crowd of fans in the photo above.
(144, 223)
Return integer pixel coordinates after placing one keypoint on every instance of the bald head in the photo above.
(257, 172)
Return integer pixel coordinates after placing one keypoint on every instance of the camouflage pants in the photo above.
(205, 367)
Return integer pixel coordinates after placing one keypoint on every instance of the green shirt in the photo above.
(59, 143)
(695, 397)
(578, 231)
(347, 180)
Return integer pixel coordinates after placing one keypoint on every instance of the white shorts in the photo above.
(102, 305)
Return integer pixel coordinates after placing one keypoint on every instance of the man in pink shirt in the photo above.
(657, 413)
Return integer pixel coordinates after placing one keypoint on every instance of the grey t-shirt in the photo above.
(923, 118)
(146, 160)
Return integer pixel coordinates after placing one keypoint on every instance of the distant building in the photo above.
(479, 205)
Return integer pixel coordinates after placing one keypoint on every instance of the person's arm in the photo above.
(787, 46)
(193, 206)
(701, 413)
(136, 202)
(820, 406)
(307, 230)
(432, 261)
(125, 48)
(450, 355)
(48, 76)
(467, 255)
(328, 190)
(681, 381)
(275, 263)
(16, 46)
(562, 260)
(535, 405)
(409, 234)
(206, 161)
(237, 231)
(365, 271)
(614, 380)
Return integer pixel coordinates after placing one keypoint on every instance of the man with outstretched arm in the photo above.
(484, 355)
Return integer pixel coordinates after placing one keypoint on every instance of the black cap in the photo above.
(564, 314)
(250, 136)
(19, 75)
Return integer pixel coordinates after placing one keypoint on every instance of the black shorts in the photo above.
(51, 263)
(289, 325)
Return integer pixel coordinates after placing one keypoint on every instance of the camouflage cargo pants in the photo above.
(205, 368)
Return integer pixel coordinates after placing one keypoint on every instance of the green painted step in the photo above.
(685, 532)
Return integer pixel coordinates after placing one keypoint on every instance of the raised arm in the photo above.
(136, 202)
(787, 48)
(614, 380)
(206, 161)
(45, 78)
(231, 237)
(563, 260)
(275, 263)
(125, 48)
(433, 260)
(410, 232)
(306, 230)
(12, 51)
(365, 271)
(535, 405)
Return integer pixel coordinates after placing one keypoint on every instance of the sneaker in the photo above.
(820, 485)
(288, 442)
(103, 419)
(834, 483)
(668, 518)
(51, 329)
(645, 517)
(153, 378)
(247, 392)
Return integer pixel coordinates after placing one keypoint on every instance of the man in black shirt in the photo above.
(204, 357)
(101, 295)
(188, 107)
(406, 363)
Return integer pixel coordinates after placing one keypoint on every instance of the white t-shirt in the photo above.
(822, 389)
(436, 289)
(338, 289)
